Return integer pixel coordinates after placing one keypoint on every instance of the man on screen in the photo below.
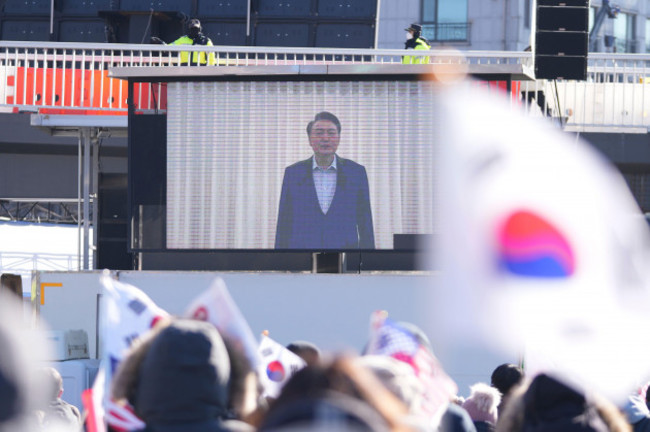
(325, 202)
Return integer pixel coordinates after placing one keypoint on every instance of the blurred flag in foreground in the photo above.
(127, 314)
(542, 247)
(277, 367)
(217, 307)
(92, 402)
(395, 340)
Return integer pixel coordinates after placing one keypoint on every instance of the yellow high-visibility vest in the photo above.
(197, 57)
(420, 44)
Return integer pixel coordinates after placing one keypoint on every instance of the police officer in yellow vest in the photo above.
(415, 41)
(195, 36)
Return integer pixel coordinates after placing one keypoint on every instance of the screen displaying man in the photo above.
(325, 200)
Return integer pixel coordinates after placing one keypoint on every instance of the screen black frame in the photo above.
(144, 173)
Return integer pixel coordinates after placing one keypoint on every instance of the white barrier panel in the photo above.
(330, 310)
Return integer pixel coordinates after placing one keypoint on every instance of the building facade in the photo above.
(506, 25)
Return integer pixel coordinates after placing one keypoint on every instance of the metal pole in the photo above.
(248, 18)
(51, 22)
(377, 23)
(95, 194)
(79, 177)
(86, 242)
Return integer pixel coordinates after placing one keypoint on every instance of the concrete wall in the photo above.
(332, 311)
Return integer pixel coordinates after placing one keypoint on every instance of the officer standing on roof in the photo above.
(415, 41)
(195, 36)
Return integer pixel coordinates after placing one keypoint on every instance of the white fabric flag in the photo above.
(542, 246)
(217, 307)
(127, 314)
(277, 367)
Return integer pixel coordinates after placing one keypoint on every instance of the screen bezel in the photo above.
(354, 73)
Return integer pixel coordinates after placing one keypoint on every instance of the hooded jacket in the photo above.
(179, 380)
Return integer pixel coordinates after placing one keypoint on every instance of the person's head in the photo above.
(341, 395)
(547, 404)
(306, 351)
(505, 377)
(398, 377)
(51, 381)
(482, 403)
(193, 27)
(178, 372)
(324, 133)
(414, 31)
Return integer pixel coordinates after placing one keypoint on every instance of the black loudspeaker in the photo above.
(225, 33)
(112, 237)
(561, 43)
(345, 35)
(562, 18)
(562, 67)
(575, 3)
(561, 39)
(281, 34)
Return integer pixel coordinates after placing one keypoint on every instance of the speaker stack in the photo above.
(561, 39)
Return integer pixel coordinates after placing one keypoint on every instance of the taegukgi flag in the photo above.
(277, 367)
(543, 249)
(92, 400)
(127, 313)
(216, 306)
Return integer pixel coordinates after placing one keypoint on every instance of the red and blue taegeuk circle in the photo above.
(531, 246)
(275, 371)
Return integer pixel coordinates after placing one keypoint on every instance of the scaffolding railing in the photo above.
(55, 77)
(24, 263)
(75, 76)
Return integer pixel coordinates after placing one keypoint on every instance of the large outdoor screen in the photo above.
(309, 165)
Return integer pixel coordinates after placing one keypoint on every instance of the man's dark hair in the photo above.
(305, 350)
(506, 376)
(324, 115)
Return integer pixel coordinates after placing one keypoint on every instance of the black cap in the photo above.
(417, 28)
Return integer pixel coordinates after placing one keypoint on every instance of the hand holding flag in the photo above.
(277, 367)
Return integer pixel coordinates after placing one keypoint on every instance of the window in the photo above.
(624, 33)
(592, 17)
(647, 35)
(445, 20)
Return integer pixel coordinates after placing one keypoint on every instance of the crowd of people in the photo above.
(183, 375)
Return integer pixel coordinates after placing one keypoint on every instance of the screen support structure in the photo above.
(329, 262)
